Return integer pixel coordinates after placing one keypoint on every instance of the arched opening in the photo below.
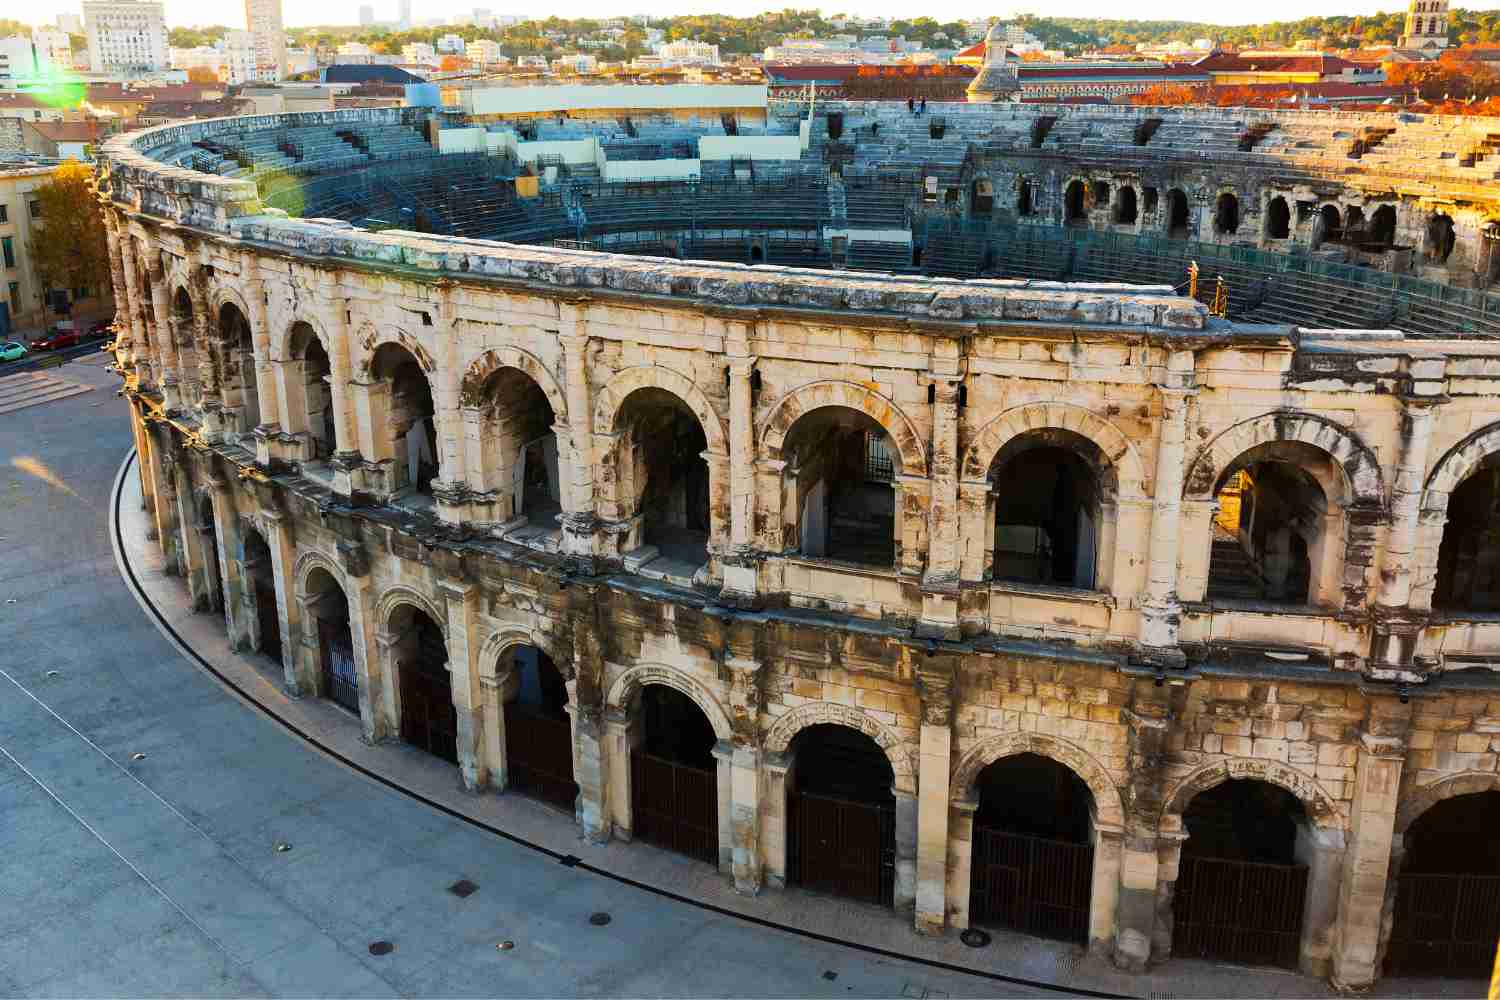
(1468, 569)
(538, 730)
(1278, 219)
(674, 778)
(1447, 914)
(429, 720)
(841, 815)
(518, 448)
(1177, 214)
(1074, 211)
(1033, 858)
(1098, 194)
(1383, 226)
(1242, 878)
(327, 611)
(1330, 226)
(237, 371)
(663, 476)
(1440, 238)
(261, 576)
(840, 472)
(757, 254)
(1354, 224)
(182, 315)
(1126, 211)
(981, 198)
(1048, 508)
(208, 532)
(1024, 199)
(409, 424)
(308, 375)
(1275, 525)
(1149, 199)
(1227, 215)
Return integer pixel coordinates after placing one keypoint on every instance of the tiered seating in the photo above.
(877, 255)
(622, 207)
(877, 203)
(953, 254)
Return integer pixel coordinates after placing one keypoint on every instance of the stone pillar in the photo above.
(745, 672)
(934, 759)
(740, 566)
(163, 509)
(1104, 891)
(451, 488)
(940, 581)
(960, 860)
(463, 674)
(230, 576)
(773, 824)
(492, 690)
(718, 503)
(580, 522)
(1323, 853)
(723, 752)
(911, 498)
(166, 342)
(622, 734)
(195, 567)
(283, 558)
(906, 851)
(267, 428)
(376, 709)
(591, 760)
(346, 455)
(1397, 624)
(140, 342)
(1142, 919)
(1357, 930)
(1161, 611)
(117, 280)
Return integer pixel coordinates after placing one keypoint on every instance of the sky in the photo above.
(306, 12)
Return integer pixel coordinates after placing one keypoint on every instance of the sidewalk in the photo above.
(257, 680)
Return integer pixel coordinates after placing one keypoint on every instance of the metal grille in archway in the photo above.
(1034, 885)
(429, 719)
(675, 805)
(340, 681)
(842, 847)
(539, 755)
(1238, 911)
(1445, 925)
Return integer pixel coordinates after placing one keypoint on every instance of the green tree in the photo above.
(68, 249)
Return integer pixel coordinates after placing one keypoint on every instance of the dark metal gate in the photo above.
(340, 681)
(539, 755)
(675, 806)
(1445, 925)
(265, 613)
(428, 719)
(1031, 884)
(842, 847)
(1239, 911)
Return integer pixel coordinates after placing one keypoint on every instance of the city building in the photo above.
(451, 44)
(1232, 69)
(17, 59)
(484, 52)
(687, 53)
(419, 53)
(263, 21)
(126, 37)
(71, 24)
(1104, 81)
(24, 305)
(1426, 26)
(54, 51)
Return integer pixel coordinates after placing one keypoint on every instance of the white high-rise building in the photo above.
(240, 58)
(263, 21)
(17, 59)
(71, 23)
(54, 48)
(127, 37)
(451, 44)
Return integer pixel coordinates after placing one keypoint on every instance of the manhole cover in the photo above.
(137, 756)
(600, 919)
(282, 847)
(505, 946)
(381, 947)
(974, 937)
(463, 888)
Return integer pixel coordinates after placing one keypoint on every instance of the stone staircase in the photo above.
(838, 204)
(1231, 574)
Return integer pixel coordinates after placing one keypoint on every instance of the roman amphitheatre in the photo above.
(868, 501)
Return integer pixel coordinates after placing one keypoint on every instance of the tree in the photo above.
(69, 249)
(202, 74)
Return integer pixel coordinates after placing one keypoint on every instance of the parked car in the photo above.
(12, 351)
(55, 339)
(102, 328)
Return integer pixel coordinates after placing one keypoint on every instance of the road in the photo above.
(141, 807)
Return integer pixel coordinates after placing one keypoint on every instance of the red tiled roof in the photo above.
(84, 131)
(1223, 62)
(1035, 71)
(797, 73)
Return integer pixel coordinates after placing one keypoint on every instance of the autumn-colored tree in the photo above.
(1170, 95)
(68, 249)
(1437, 81)
(451, 63)
(202, 74)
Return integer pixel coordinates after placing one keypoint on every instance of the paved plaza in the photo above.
(164, 834)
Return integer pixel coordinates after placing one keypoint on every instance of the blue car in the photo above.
(12, 351)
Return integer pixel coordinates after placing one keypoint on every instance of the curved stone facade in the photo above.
(791, 498)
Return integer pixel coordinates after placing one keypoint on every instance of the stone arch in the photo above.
(223, 295)
(779, 737)
(281, 340)
(1111, 441)
(510, 356)
(1450, 786)
(1457, 464)
(507, 638)
(1323, 810)
(311, 560)
(612, 397)
(817, 395)
(370, 339)
(398, 595)
(1108, 809)
(626, 686)
(1363, 482)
